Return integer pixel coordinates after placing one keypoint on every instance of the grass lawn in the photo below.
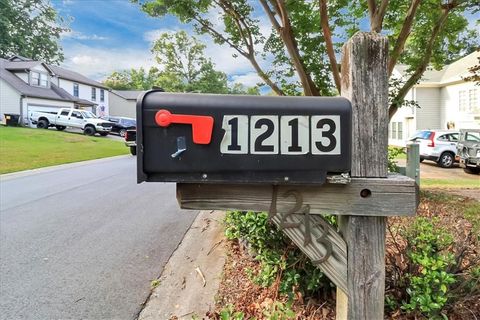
(26, 148)
(450, 183)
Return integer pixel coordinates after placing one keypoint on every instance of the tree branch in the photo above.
(250, 55)
(372, 7)
(329, 43)
(377, 22)
(403, 35)
(286, 34)
(417, 74)
(271, 16)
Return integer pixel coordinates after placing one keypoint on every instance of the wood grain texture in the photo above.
(335, 267)
(392, 196)
(365, 84)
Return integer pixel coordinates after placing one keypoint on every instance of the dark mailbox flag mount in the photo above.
(241, 139)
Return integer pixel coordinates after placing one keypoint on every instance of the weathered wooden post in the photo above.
(365, 84)
(412, 169)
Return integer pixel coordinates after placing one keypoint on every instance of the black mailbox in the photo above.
(241, 139)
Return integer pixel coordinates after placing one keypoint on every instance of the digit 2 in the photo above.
(264, 135)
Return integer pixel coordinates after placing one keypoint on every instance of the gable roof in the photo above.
(25, 65)
(75, 77)
(21, 63)
(454, 72)
(53, 93)
(128, 94)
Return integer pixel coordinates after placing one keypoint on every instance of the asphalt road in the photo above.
(84, 242)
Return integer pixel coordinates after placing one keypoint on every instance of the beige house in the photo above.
(123, 102)
(446, 101)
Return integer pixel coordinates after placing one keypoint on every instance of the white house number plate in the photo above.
(286, 135)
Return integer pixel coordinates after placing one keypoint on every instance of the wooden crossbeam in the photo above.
(391, 196)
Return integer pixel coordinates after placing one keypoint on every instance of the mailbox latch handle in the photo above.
(181, 147)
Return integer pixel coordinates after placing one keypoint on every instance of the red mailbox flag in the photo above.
(202, 126)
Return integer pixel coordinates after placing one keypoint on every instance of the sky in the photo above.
(114, 35)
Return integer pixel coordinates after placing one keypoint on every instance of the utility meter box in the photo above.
(241, 139)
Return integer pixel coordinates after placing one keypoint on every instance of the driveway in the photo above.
(430, 170)
(84, 241)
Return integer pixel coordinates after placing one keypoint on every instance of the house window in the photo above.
(39, 79)
(43, 80)
(396, 131)
(473, 99)
(34, 78)
(94, 94)
(102, 95)
(462, 101)
(75, 90)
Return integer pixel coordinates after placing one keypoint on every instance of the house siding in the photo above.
(450, 111)
(85, 92)
(122, 107)
(428, 116)
(22, 75)
(9, 100)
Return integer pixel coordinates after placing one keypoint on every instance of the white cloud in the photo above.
(153, 35)
(250, 79)
(81, 36)
(97, 63)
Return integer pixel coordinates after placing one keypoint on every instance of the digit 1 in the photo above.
(294, 147)
(234, 145)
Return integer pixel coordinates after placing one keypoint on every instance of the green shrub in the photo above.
(228, 313)
(277, 255)
(428, 279)
(393, 153)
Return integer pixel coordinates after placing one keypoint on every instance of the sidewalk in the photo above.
(191, 278)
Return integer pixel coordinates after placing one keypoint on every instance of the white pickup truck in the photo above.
(84, 120)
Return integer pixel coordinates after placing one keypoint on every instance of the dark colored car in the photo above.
(121, 125)
(131, 141)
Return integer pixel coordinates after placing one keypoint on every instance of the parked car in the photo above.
(131, 141)
(75, 118)
(437, 145)
(121, 125)
(469, 150)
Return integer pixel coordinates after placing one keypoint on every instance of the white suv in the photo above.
(437, 145)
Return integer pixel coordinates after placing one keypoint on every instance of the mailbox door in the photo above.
(243, 139)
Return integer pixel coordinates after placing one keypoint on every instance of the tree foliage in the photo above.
(132, 79)
(306, 36)
(474, 73)
(185, 68)
(30, 28)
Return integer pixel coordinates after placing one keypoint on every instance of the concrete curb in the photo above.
(182, 292)
(26, 173)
